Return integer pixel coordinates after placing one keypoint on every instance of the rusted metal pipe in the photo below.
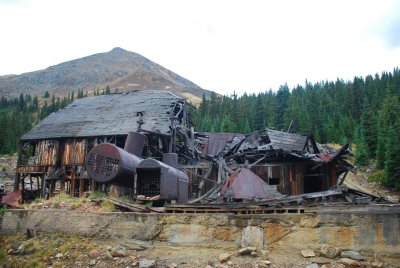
(134, 143)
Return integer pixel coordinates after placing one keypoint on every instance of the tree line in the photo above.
(364, 112)
(20, 114)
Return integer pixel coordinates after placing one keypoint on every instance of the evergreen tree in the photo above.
(227, 125)
(203, 107)
(388, 116)
(259, 115)
(392, 157)
(368, 129)
(361, 154)
(282, 97)
(107, 90)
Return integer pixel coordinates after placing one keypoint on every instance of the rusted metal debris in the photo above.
(244, 184)
(12, 199)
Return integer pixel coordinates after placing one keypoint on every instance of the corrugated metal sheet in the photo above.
(113, 114)
(287, 141)
(12, 199)
(217, 142)
(247, 185)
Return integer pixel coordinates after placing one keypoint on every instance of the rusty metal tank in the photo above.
(107, 163)
(134, 143)
(157, 178)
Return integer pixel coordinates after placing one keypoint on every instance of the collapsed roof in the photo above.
(277, 144)
(236, 155)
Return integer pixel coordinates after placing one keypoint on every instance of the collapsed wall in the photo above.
(368, 230)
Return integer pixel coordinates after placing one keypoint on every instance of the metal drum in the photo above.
(157, 178)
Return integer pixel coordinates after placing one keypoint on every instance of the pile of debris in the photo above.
(278, 168)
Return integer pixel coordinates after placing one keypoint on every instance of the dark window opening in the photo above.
(273, 181)
(27, 154)
(120, 141)
(313, 184)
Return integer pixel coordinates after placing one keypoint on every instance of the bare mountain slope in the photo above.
(117, 68)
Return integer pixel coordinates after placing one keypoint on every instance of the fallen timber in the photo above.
(339, 198)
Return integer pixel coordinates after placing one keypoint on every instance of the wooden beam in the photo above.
(81, 187)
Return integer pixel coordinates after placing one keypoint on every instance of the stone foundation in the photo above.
(363, 230)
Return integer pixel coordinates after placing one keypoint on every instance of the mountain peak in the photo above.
(118, 50)
(117, 68)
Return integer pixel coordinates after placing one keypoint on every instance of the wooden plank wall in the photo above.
(74, 152)
(46, 152)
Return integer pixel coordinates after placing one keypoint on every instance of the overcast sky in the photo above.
(220, 45)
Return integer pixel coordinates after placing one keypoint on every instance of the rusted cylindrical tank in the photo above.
(157, 178)
(170, 159)
(106, 163)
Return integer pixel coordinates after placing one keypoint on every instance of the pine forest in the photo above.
(364, 112)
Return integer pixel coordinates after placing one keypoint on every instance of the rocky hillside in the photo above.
(117, 68)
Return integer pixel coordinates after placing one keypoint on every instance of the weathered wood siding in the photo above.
(46, 152)
(74, 152)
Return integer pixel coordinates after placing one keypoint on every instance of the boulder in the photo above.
(350, 262)
(306, 253)
(312, 265)
(355, 255)
(254, 254)
(94, 253)
(246, 250)
(377, 264)
(253, 236)
(334, 265)
(147, 263)
(330, 252)
(224, 257)
(118, 251)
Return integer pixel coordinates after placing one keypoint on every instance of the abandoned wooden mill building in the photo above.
(89, 144)
(52, 154)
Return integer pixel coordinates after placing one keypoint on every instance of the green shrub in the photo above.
(38, 200)
(2, 210)
(376, 176)
(107, 206)
(97, 194)
(3, 257)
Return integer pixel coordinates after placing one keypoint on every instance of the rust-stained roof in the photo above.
(244, 184)
(113, 114)
(217, 142)
(287, 141)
